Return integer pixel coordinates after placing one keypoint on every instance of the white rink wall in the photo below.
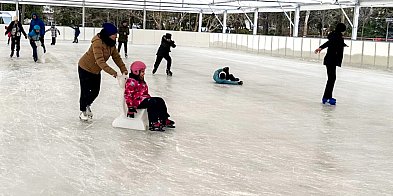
(138, 36)
(366, 54)
(359, 53)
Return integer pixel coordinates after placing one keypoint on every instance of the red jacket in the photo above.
(135, 92)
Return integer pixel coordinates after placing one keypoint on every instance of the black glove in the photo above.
(240, 82)
(131, 111)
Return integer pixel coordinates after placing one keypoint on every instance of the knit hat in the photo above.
(341, 27)
(109, 28)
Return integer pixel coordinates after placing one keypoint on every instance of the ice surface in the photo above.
(271, 136)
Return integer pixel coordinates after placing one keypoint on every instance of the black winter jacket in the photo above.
(335, 52)
(16, 30)
(165, 46)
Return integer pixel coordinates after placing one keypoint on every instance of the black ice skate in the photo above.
(156, 126)
(168, 72)
(169, 123)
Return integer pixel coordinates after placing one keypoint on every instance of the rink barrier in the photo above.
(367, 54)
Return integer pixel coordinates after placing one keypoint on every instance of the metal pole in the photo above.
(290, 25)
(200, 22)
(144, 18)
(255, 27)
(16, 9)
(296, 25)
(144, 15)
(224, 22)
(83, 15)
(355, 22)
(387, 31)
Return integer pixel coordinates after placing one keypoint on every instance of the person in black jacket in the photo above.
(76, 33)
(163, 52)
(333, 59)
(16, 30)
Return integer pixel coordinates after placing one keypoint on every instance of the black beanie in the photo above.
(341, 27)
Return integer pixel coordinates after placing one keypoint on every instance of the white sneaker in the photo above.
(88, 112)
(83, 116)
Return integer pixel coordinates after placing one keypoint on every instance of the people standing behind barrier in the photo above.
(54, 31)
(34, 37)
(77, 32)
(222, 76)
(163, 52)
(103, 46)
(137, 96)
(16, 30)
(124, 31)
(333, 59)
(37, 21)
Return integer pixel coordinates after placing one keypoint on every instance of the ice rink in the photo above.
(271, 136)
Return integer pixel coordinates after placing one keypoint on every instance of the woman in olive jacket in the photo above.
(103, 46)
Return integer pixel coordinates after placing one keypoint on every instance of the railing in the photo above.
(358, 53)
(371, 54)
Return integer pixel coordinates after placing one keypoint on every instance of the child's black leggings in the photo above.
(156, 109)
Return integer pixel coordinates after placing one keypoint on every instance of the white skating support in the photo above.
(139, 122)
(40, 52)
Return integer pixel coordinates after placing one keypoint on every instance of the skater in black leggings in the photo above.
(333, 59)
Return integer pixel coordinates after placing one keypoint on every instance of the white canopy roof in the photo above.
(210, 6)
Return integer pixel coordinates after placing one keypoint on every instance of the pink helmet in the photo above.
(137, 66)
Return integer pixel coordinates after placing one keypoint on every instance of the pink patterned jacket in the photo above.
(135, 92)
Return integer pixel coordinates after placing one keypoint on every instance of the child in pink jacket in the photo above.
(137, 97)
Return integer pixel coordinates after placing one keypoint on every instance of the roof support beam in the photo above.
(17, 9)
(355, 22)
(297, 19)
(200, 22)
(255, 26)
(144, 18)
(83, 14)
(346, 16)
(144, 15)
(224, 22)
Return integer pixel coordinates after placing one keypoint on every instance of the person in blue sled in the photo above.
(222, 76)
